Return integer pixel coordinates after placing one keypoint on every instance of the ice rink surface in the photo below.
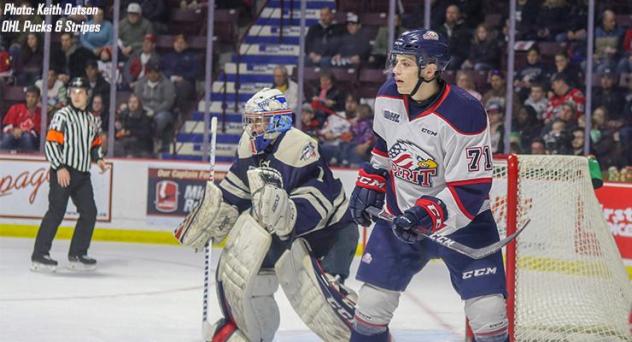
(154, 293)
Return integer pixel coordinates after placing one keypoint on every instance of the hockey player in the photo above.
(433, 165)
(294, 226)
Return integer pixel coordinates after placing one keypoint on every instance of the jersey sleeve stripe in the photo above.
(457, 199)
(227, 185)
(236, 181)
(377, 152)
(470, 181)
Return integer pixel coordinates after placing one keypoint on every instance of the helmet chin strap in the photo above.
(420, 81)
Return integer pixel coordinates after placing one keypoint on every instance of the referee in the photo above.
(72, 143)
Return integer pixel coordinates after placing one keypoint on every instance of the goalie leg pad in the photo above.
(248, 292)
(212, 218)
(374, 310)
(323, 304)
(227, 331)
(488, 318)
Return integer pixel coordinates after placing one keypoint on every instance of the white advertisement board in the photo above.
(24, 185)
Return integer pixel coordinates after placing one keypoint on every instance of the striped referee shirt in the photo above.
(73, 139)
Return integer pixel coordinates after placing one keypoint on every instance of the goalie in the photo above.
(287, 222)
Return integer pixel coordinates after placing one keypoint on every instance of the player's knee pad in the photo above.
(246, 292)
(374, 310)
(324, 305)
(488, 318)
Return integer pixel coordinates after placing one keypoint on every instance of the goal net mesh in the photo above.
(570, 283)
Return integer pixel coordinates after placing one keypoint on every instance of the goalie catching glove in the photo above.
(211, 219)
(272, 207)
(427, 216)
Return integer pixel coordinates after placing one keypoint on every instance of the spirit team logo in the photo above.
(412, 164)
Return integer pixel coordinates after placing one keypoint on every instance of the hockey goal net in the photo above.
(565, 277)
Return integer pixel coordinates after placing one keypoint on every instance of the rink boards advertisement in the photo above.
(24, 186)
(149, 198)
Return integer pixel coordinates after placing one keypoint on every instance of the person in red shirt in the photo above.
(563, 93)
(22, 123)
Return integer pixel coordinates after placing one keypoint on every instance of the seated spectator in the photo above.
(132, 30)
(329, 99)
(464, 81)
(458, 36)
(156, 12)
(625, 63)
(56, 92)
(537, 100)
(309, 124)
(22, 124)
(557, 140)
(498, 91)
(350, 49)
(351, 106)
(533, 71)
(552, 19)
(98, 84)
(358, 149)
(134, 131)
(28, 65)
(6, 67)
(135, 66)
(288, 87)
(567, 113)
(571, 72)
(608, 41)
(537, 146)
(609, 95)
(181, 66)
(563, 93)
(380, 46)
(526, 16)
(495, 113)
(18, 38)
(625, 132)
(577, 142)
(320, 37)
(71, 59)
(603, 143)
(97, 109)
(158, 96)
(484, 51)
(576, 27)
(335, 131)
(95, 41)
(104, 65)
(527, 125)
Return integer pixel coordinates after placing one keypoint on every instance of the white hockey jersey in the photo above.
(442, 150)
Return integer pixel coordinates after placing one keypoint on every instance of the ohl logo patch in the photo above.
(412, 164)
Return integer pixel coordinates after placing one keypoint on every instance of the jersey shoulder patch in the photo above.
(389, 89)
(297, 149)
(464, 113)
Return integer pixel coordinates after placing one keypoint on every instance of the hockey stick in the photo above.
(207, 332)
(439, 237)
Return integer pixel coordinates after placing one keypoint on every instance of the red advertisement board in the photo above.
(616, 202)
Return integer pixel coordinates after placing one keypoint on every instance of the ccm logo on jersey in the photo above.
(391, 115)
(479, 272)
(427, 131)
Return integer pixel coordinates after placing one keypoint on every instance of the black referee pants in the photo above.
(80, 191)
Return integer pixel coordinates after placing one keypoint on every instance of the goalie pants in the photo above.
(333, 246)
(390, 264)
(81, 193)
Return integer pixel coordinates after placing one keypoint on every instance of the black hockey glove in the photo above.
(369, 191)
(427, 216)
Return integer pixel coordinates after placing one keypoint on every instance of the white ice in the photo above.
(154, 293)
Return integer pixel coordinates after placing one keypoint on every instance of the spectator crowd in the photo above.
(161, 85)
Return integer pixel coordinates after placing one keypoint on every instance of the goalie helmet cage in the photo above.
(565, 278)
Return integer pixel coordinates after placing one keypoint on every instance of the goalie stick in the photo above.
(207, 332)
(440, 237)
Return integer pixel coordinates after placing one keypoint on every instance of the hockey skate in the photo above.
(81, 263)
(43, 263)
